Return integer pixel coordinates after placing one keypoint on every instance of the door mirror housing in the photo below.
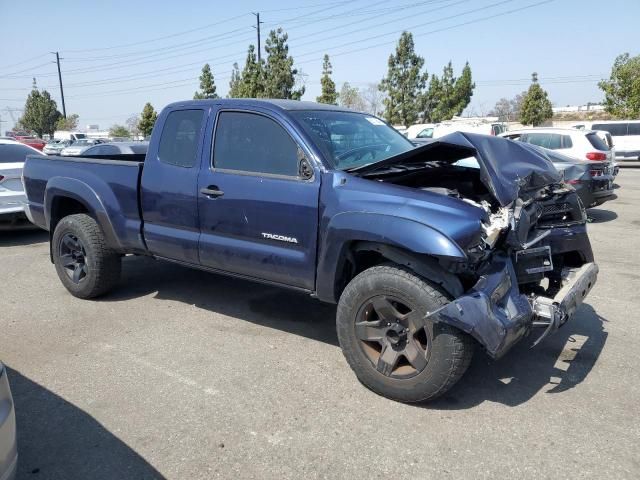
(304, 169)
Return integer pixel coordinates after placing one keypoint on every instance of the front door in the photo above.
(258, 217)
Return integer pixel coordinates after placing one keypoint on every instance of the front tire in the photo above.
(85, 265)
(389, 346)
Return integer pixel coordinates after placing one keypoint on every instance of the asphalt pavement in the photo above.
(182, 374)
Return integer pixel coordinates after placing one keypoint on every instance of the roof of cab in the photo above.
(264, 102)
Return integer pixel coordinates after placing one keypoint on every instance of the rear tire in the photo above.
(85, 265)
(389, 347)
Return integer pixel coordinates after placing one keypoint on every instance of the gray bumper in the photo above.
(496, 314)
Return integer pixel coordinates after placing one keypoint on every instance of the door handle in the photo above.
(211, 191)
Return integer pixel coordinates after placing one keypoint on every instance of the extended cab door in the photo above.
(169, 195)
(258, 212)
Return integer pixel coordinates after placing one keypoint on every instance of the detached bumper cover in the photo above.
(496, 314)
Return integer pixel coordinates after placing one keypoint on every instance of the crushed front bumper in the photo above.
(496, 314)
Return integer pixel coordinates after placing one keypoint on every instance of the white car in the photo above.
(12, 196)
(580, 144)
(625, 135)
(78, 147)
(437, 130)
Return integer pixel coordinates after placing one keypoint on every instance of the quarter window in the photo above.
(615, 129)
(634, 129)
(180, 138)
(254, 143)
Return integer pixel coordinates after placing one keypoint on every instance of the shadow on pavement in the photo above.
(11, 238)
(559, 363)
(257, 303)
(58, 440)
(597, 215)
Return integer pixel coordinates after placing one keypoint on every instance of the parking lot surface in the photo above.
(183, 374)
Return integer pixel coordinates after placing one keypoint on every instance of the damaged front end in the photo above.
(532, 265)
(537, 271)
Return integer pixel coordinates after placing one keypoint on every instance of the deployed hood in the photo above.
(506, 167)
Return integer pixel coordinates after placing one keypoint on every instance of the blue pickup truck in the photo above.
(426, 256)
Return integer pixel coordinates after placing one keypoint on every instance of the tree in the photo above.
(249, 83)
(279, 74)
(373, 99)
(119, 131)
(350, 98)
(69, 123)
(536, 107)
(404, 83)
(447, 95)
(508, 110)
(235, 84)
(207, 84)
(147, 120)
(430, 100)
(622, 90)
(40, 113)
(328, 94)
(132, 124)
(463, 89)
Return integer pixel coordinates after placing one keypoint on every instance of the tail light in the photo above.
(596, 156)
(574, 182)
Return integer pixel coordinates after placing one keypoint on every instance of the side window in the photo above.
(634, 129)
(108, 150)
(566, 141)
(426, 133)
(615, 129)
(180, 138)
(250, 142)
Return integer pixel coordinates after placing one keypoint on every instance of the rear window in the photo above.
(12, 153)
(615, 129)
(596, 142)
(180, 138)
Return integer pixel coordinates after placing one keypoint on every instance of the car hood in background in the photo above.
(506, 167)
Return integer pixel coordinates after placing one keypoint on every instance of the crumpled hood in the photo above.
(506, 167)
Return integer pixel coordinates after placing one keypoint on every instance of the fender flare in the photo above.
(81, 192)
(400, 234)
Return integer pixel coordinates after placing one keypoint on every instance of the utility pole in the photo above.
(64, 109)
(257, 27)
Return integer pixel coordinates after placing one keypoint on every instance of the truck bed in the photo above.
(109, 184)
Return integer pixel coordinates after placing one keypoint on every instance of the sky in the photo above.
(118, 55)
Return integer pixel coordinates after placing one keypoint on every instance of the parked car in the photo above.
(77, 147)
(437, 130)
(32, 141)
(116, 148)
(8, 442)
(625, 134)
(424, 258)
(581, 144)
(12, 196)
(592, 181)
(54, 147)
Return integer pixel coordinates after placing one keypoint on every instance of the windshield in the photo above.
(80, 143)
(350, 140)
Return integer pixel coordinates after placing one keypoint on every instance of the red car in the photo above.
(32, 141)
